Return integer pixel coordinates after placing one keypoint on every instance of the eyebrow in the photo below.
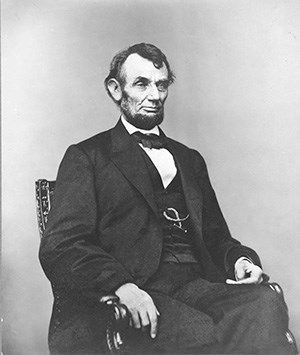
(142, 78)
(163, 81)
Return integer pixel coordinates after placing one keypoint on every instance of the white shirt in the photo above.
(161, 158)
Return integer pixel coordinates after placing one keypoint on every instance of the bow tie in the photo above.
(150, 140)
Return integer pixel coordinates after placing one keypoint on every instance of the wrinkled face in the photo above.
(144, 91)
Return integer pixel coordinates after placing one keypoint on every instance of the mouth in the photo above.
(151, 109)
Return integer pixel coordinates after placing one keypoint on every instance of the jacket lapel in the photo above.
(128, 158)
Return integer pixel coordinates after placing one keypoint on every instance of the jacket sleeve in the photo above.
(224, 249)
(70, 252)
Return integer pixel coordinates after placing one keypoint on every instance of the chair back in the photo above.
(44, 192)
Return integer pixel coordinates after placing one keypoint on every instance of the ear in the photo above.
(114, 88)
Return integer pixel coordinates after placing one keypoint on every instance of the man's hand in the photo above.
(141, 307)
(246, 273)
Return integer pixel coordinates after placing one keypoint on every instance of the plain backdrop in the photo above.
(236, 100)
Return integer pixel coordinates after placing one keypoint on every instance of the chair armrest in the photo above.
(289, 335)
(118, 323)
(275, 287)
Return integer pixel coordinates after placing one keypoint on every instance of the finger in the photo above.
(256, 274)
(247, 281)
(153, 323)
(231, 282)
(144, 320)
(136, 320)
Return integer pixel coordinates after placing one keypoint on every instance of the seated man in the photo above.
(135, 214)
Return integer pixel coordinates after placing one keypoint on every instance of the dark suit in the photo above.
(104, 229)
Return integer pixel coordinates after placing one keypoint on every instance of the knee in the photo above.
(270, 295)
(272, 303)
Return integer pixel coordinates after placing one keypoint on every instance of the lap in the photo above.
(220, 323)
(196, 316)
(217, 299)
(212, 317)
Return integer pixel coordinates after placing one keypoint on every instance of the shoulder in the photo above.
(100, 141)
(91, 150)
(189, 152)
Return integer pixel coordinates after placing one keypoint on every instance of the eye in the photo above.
(163, 86)
(141, 84)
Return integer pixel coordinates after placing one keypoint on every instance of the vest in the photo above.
(174, 217)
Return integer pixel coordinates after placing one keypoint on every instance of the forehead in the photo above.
(136, 66)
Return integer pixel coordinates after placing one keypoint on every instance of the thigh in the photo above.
(214, 298)
(247, 318)
(218, 299)
(215, 317)
(181, 329)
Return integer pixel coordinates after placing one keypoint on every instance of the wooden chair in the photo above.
(118, 319)
(119, 315)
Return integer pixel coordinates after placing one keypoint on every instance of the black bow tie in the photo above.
(150, 140)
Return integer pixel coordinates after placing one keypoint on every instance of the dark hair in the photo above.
(145, 50)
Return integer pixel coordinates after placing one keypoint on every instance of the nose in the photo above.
(153, 94)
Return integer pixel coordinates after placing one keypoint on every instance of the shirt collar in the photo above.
(131, 128)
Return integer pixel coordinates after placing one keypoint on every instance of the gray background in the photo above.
(236, 100)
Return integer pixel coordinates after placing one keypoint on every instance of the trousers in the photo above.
(201, 317)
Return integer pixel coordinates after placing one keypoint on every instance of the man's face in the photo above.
(144, 91)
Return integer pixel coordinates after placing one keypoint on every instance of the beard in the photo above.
(140, 120)
(145, 122)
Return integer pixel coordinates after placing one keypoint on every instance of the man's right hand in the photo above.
(141, 307)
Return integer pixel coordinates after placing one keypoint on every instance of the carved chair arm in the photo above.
(118, 323)
(289, 335)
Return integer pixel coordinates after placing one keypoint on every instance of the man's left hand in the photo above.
(246, 273)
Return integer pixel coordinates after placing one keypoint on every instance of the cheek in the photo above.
(130, 103)
(138, 100)
(134, 103)
(164, 97)
(134, 99)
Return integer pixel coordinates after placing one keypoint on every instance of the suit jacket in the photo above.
(104, 229)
